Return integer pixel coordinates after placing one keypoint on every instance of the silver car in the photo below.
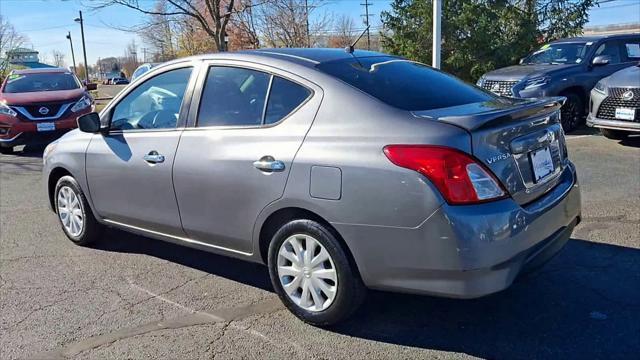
(340, 171)
(615, 104)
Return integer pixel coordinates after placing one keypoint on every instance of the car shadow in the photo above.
(585, 303)
(584, 130)
(631, 141)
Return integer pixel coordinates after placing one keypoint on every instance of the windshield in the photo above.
(23, 83)
(562, 53)
(404, 84)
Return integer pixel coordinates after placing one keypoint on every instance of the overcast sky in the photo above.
(46, 22)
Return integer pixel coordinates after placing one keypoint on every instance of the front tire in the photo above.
(75, 216)
(613, 134)
(6, 150)
(572, 112)
(311, 273)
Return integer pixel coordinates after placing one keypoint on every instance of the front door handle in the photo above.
(153, 157)
(268, 164)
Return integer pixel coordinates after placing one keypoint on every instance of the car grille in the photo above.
(32, 111)
(607, 109)
(502, 88)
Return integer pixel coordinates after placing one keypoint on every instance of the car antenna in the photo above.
(349, 49)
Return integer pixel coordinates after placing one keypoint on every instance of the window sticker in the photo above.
(633, 50)
(14, 77)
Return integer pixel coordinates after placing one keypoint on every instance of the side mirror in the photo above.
(91, 86)
(89, 123)
(601, 60)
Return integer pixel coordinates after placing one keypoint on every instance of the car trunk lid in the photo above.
(521, 141)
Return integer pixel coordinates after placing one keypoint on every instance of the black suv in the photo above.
(567, 67)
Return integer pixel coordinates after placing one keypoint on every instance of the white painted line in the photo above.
(569, 137)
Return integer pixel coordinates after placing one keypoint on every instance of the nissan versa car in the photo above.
(39, 105)
(615, 104)
(566, 67)
(340, 171)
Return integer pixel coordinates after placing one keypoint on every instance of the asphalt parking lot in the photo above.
(133, 297)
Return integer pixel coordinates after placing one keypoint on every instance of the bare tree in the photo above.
(129, 61)
(9, 40)
(212, 16)
(58, 58)
(345, 32)
(283, 23)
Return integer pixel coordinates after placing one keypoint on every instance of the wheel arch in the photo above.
(578, 90)
(55, 175)
(281, 216)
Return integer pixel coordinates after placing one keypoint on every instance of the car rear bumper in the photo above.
(467, 251)
(593, 121)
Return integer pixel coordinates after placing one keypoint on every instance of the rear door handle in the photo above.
(269, 164)
(153, 157)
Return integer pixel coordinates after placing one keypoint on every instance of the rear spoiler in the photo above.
(529, 109)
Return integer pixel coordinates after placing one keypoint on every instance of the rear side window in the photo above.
(233, 97)
(285, 97)
(403, 84)
(236, 97)
(632, 49)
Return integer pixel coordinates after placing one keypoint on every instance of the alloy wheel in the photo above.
(307, 272)
(70, 211)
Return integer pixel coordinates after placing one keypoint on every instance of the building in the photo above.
(23, 57)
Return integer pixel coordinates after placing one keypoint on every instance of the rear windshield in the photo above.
(22, 83)
(404, 84)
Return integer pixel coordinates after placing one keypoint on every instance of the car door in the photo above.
(129, 168)
(247, 127)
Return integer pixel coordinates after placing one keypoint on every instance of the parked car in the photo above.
(615, 104)
(143, 69)
(566, 67)
(120, 81)
(340, 171)
(39, 105)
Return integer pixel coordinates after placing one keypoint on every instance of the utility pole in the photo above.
(73, 57)
(306, 14)
(437, 34)
(366, 15)
(84, 48)
(144, 55)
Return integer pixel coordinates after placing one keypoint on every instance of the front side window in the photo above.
(155, 104)
(24, 83)
(610, 49)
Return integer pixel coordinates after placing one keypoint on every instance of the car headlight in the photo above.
(82, 104)
(480, 81)
(6, 110)
(600, 88)
(536, 82)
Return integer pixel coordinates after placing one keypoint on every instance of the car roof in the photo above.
(309, 57)
(594, 38)
(41, 70)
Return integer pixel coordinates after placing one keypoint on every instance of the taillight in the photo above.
(459, 177)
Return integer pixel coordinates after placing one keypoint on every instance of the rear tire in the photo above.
(6, 150)
(572, 112)
(334, 289)
(613, 134)
(74, 213)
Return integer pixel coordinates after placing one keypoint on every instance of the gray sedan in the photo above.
(340, 171)
(615, 104)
